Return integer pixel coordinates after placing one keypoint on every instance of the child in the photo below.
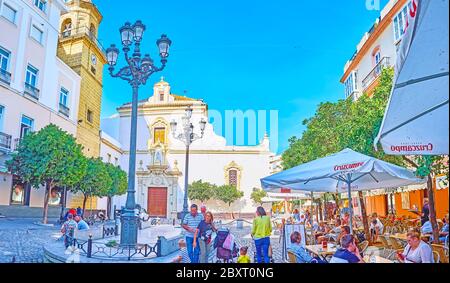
(184, 256)
(243, 257)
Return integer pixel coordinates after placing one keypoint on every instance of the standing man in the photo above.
(190, 224)
(203, 211)
(425, 211)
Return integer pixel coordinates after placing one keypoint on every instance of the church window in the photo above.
(159, 135)
(161, 97)
(233, 178)
(90, 116)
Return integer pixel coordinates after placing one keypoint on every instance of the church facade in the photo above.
(161, 158)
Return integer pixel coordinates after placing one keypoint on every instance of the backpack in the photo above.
(361, 237)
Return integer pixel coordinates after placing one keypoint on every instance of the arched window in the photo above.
(233, 173)
(376, 55)
(66, 28)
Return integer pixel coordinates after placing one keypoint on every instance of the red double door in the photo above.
(157, 202)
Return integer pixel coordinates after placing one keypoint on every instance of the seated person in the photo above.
(348, 252)
(426, 228)
(332, 234)
(444, 230)
(184, 256)
(301, 254)
(81, 224)
(345, 230)
(375, 229)
(416, 251)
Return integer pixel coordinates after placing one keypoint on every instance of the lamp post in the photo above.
(136, 72)
(187, 136)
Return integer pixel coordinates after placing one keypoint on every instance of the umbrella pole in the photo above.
(350, 204)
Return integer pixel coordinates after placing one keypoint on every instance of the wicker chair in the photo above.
(440, 250)
(363, 246)
(395, 244)
(292, 258)
(387, 251)
(436, 257)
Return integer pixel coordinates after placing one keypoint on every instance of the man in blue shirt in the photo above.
(190, 224)
(81, 224)
(300, 252)
(348, 253)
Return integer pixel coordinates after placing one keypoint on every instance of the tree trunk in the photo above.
(432, 215)
(108, 207)
(320, 210)
(364, 217)
(48, 189)
(84, 203)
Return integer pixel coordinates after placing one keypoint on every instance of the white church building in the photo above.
(161, 158)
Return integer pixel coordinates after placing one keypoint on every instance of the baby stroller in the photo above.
(227, 249)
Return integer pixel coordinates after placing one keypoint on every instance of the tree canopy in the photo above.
(49, 157)
(257, 196)
(202, 191)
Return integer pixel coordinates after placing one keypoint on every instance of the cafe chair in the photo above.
(440, 250)
(292, 258)
(436, 257)
(363, 246)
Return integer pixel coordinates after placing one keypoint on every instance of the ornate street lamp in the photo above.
(187, 136)
(136, 72)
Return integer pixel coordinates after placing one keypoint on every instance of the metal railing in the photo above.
(113, 251)
(5, 141)
(376, 72)
(80, 31)
(16, 143)
(32, 91)
(5, 76)
(63, 109)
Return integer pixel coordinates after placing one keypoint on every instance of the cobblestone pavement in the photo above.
(243, 238)
(21, 240)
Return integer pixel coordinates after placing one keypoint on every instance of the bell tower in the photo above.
(79, 48)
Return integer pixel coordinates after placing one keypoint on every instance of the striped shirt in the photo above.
(192, 222)
(184, 256)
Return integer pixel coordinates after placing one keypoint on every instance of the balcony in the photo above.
(375, 73)
(63, 109)
(5, 142)
(16, 143)
(79, 32)
(31, 91)
(5, 77)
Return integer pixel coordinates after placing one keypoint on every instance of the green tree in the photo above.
(257, 195)
(228, 194)
(95, 182)
(344, 124)
(119, 184)
(51, 158)
(202, 191)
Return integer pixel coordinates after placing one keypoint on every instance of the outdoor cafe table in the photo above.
(320, 251)
(377, 259)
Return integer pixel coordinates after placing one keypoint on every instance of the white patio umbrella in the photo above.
(345, 171)
(416, 118)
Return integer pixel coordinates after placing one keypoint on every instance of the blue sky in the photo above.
(247, 55)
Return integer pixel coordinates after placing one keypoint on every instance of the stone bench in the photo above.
(97, 232)
(169, 245)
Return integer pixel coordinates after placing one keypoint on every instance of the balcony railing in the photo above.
(16, 143)
(5, 141)
(5, 76)
(63, 109)
(80, 31)
(376, 72)
(31, 91)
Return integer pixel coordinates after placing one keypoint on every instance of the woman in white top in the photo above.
(416, 251)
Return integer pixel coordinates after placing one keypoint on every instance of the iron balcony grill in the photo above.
(31, 91)
(5, 141)
(63, 109)
(376, 72)
(5, 76)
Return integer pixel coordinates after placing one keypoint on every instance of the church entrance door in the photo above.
(157, 202)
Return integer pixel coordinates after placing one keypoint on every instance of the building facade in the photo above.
(161, 158)
(36, 87)
(79, 48)
(377, 50)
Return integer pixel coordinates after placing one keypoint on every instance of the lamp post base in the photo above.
(129, 228)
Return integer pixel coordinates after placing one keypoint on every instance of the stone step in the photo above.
(16, 211)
